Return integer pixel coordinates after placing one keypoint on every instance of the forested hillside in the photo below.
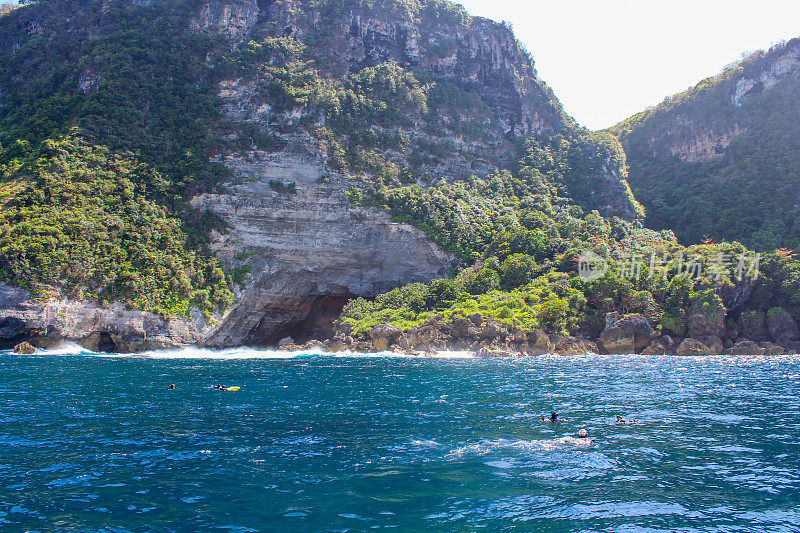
(104, 125)
(171, 155)
(721, 159)
(92, 85)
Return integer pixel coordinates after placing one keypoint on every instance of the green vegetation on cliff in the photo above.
(545, 198)
(722, 160)
(111, 119)
(519, 237)
(82, 218)
(102, 99)
(103, 134)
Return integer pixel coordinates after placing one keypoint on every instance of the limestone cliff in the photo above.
(108, 329)
(264, 114)
(309, 251)
(474, 62)
(699, 125)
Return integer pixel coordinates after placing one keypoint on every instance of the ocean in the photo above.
(344, 442)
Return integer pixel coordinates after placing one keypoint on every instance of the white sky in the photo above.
(609, 59)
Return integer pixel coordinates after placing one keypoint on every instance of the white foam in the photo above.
(191, 352)
(230, 353)
(65, 348)
(485, 447)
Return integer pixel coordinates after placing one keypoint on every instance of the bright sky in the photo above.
(609, 59)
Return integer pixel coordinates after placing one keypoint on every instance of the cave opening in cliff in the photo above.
(314, 321)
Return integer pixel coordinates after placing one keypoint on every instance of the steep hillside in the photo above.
(721, 160)
(229, 173)
(199, 155)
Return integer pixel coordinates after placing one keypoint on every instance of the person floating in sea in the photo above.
(171, 386)
(583, 434)
(552, 418)
(621, 420)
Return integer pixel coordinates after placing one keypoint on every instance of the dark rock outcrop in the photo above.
(704, 345)
(706, 320)
(745, 347)
(663, 345)
(771, 348)
(625, 334)
(463, 327)
(753, 325)
(537, 343)
(384, 335)
(491, 339)
(568, 345)
(781, 326)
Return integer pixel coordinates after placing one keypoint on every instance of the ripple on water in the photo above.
(315, 442)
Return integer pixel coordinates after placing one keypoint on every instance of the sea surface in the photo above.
(317, 442)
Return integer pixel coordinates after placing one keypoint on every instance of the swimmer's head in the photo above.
(583, 433)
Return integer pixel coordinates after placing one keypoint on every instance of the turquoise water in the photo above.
(323, 443)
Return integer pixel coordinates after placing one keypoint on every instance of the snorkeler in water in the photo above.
(621, 420)
(552, 418)
(583, 434)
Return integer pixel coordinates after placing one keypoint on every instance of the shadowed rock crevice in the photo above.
(312, 320)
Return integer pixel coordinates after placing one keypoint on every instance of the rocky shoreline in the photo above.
(112, 328)
(623, 334)
(27, 324)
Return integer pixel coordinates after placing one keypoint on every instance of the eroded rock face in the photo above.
(707, 320)
(752, 325)
(480, 57)
(664, 345)
(385, 335)
(306, 249)
(568, 345)
(309, 251)
(538, 343)
(24, 348)
(108, 329)
(625, 334)
(231, 19)
(705, 345)
(694, 139)
(771, 348)
(745, 347)
(478, 54)
(700, 146)
(787, 64)
(781, 326)
(490, 339)
(312, 246)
